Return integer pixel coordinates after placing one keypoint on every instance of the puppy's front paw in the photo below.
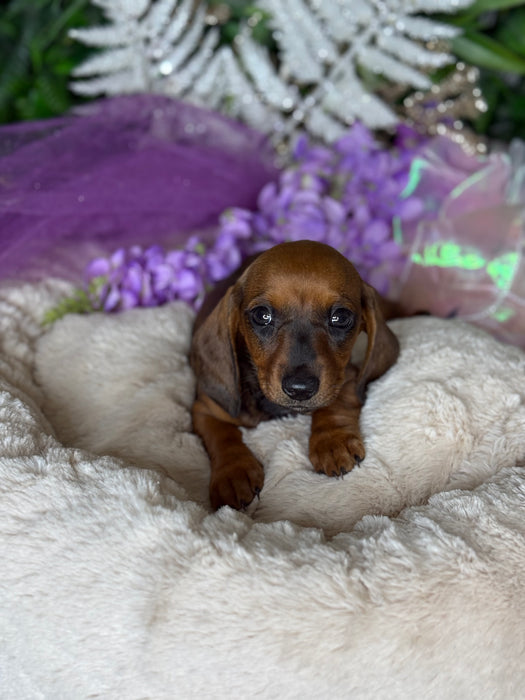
(336, 452)
(236, 483)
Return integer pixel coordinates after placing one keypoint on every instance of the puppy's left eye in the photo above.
(342, 319)
(261, 315)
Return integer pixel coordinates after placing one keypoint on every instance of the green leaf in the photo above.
(480, 6)
(37, 56)
(62, 22)
(480, 14)
(511, 31)
(53, 92)
(480, 50)
(230, 30)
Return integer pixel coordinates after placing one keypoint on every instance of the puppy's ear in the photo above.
(383, 347)
(214, 357)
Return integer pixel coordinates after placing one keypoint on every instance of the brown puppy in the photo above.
(279, 342)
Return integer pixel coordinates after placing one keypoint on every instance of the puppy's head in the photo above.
(294, 315)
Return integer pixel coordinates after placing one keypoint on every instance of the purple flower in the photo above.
(224, 257)
(146, 277)
(348, 195)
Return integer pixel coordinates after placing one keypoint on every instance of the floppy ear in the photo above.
(383, 347)
(214, 357)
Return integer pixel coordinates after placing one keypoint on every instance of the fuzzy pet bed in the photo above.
(402, 580)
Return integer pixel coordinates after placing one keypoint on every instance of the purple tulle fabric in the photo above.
(132, 170)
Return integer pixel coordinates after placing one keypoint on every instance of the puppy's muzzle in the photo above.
(300, 385)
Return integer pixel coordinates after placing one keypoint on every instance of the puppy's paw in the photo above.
(236, 483)
(336, 452)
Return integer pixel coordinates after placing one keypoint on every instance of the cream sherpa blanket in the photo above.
(403, 580)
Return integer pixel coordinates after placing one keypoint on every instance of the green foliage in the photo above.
(37, 56)
(81, 301)
(493, 39)
(78, 303)
(239, 14)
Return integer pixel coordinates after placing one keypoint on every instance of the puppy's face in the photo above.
(292, 317)
(300, 313)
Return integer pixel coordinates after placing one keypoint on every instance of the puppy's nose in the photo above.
(300, 385)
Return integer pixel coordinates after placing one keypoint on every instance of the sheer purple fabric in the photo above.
(128, 170)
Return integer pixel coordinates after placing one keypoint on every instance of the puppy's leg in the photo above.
(336, 445)
(236, 476)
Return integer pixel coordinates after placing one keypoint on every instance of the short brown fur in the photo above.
(273, 343)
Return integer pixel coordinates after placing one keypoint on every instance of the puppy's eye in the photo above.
(342, 319)
(261, 315)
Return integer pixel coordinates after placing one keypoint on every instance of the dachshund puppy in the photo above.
(279, 342)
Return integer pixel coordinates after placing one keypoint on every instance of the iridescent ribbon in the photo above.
(448, 254)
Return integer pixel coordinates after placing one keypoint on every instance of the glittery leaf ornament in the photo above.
(443, 109)
(320, 77)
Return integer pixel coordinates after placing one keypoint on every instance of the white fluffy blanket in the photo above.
(402, 580)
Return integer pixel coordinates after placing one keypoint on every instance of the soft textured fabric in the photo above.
(131, 170)
(402, 580)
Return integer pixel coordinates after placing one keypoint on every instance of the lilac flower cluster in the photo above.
(150, 277)
(347, 195)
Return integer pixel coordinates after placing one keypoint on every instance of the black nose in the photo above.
(300, 385)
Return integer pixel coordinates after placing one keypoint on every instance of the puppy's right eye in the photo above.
(342, 319)
(261, 316)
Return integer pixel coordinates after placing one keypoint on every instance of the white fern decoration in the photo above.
(169, 47)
